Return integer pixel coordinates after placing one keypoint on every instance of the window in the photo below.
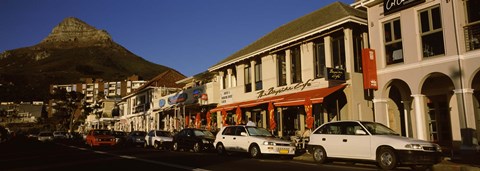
(357, 50)
(296, 65)
(338, 52)
(281, 69)
(431, 32)
(248, 80)
(258, 75)
(393, 42)
(319, 59)
(472, 29)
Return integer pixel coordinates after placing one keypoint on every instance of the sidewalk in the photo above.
(445, 165)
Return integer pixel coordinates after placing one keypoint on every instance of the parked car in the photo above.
(193, 139)
(158, 139)
(136, 138)
(60, 135)
(371, 142)
(254, 140)
(45, 136)
(100, 137)
(120, 137)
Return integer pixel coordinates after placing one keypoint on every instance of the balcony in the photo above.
(472, 36)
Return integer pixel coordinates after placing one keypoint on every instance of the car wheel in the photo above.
(319, 155)
(221, 149)
(254, 151)
(175, 146)
(386, 158)
(196, 147)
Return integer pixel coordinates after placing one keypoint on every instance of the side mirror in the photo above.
(360, 132)
(243, 133)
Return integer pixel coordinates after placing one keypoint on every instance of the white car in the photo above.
(45, 136)
(256, 141)
(158, 139)
(371, 142)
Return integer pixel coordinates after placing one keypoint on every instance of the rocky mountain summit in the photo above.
(72, 31)
(72, 50)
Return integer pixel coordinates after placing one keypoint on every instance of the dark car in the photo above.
(136, 138)
(193, 139)
(120, 137)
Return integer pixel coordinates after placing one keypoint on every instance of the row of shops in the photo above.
(332, 65)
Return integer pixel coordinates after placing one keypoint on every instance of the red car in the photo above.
(100, 137)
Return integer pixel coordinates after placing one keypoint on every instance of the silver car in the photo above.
(45, 136)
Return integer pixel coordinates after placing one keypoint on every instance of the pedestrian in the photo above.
(250, 122)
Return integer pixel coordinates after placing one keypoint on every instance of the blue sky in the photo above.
(187, 35)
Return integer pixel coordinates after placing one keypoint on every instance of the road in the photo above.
(23, 154)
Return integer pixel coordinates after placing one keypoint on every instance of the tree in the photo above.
(66, 104)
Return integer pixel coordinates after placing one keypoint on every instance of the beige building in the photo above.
(428, 62)
(314, 58)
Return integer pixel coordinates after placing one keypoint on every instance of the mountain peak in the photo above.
(73, 31)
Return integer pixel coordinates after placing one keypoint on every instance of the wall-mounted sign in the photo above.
(226, 97)
(391, 6)
(334, 74)
(275, 91)
(369, 67)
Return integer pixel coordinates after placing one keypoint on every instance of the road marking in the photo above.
(140, 159)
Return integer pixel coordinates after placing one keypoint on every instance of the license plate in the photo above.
(283, 151)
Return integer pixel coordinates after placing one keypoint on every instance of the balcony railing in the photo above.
(472, 36)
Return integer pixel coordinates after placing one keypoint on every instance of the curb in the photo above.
(445, 165)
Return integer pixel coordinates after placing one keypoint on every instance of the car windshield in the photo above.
(163, 134)
(139, 133)
(202, 133)
(378, 129)
(255, 131)
(102, 132)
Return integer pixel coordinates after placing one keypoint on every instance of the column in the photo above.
(252, 74)
(288, 66)
(328, 51)
(420, 112)
(466, 116)
(348, 40)
(229, 78)
(220, 78)
(408, 120)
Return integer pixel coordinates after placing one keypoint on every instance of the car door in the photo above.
(241, 141)
(329, 137)
(227, 138)
(354, 146)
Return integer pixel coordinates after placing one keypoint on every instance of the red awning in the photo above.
(250, 103)
(293, 99)
(316, 96)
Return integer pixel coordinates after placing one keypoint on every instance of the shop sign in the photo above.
(226, 97)
(334, 74)
(391, 6)
(161, 102)
(275, 91)
(177, 98)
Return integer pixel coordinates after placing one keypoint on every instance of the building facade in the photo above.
(428, 62)
(298, 76)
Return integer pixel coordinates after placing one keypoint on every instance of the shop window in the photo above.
(393, 42)
(472, 28)
(258, 75)
(319, 59)
(248, 80)
(431, 32)
(281, 69)
(338, 52)
(296, 65)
